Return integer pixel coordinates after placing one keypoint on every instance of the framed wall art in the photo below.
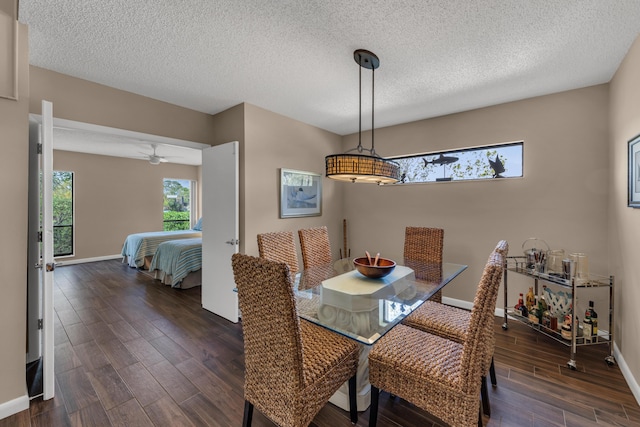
(300, 193)
(634, 173)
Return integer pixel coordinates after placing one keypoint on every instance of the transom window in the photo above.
(486, 162)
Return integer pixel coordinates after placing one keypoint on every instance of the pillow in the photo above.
(198, 226)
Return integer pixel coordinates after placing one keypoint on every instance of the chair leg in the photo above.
(484, 396)
(248, 414)
(479, 417)
(353, 403)
(373, 409)
(492, 374)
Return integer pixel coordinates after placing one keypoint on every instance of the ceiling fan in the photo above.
(154, 158)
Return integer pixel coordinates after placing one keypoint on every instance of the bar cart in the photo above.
(519, 265)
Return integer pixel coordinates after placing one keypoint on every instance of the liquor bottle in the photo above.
(520, 307)
(530, 299)
(587, 324)
(593, 316)
(543, 300)
(542, 307)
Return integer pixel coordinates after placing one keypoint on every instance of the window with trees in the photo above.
(177, 208)
(62, 213)
(494, 161)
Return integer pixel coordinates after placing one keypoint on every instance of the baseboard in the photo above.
(61, 262)
(14, 406)
(624, 368)
(626, 373)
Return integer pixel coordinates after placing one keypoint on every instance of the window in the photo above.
(494, 161)
(62, 213)
(177, 206)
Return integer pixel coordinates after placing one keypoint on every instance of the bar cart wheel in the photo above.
(505, 326)
(610, 360)
(571, 364)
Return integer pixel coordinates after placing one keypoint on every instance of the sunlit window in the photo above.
(487, 162)
(178, 204)
(62, 213)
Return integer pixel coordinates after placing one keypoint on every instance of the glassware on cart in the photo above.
(554, 262)
(535, 253)
(581, 267)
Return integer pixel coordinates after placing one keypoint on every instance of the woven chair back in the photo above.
(315, 247)
(279, 246)
(423, 244)
(271, 330)
(423, 247)
(482, 315)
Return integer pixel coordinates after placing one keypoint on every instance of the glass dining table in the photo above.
(341, 299)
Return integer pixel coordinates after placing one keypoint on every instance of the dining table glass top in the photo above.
(339, 298)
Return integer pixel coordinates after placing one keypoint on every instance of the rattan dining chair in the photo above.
(315, 247)
(453, 323)
(292, 367)
(279, 246)
(423, 245)
(436, 374)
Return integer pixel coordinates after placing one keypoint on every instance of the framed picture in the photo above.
(634, 172)
(300, 194)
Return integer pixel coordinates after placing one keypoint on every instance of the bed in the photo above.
(139, 246)
(178, 263)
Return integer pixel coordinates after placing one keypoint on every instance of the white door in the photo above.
(220, 228)
(41, 264)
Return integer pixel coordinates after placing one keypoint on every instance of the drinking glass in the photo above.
(582, 266)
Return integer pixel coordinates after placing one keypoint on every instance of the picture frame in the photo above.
(300, 194)
(634, 173)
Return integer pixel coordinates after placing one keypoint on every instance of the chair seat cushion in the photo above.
(411, 353)
(439, 319)
(448, 322)
(426, 370)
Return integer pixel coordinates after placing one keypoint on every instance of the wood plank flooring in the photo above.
(132, 352)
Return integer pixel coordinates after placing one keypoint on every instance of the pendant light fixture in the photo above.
(359, 167)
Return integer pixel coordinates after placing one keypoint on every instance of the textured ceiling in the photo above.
(296, 57)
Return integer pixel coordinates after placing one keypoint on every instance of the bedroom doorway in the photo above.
(116, 142)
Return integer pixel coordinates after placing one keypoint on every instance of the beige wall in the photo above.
(624, 222)
(115, 197)
(272, 142)
(561, 199)
(228, 127)
(87, 102)
(14, 143)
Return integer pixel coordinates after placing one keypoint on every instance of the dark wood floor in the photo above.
(132, 352)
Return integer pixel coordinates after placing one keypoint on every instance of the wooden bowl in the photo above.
(384, 267)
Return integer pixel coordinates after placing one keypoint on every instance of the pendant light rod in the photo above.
(373, 79)
(365, 168)
(360, 109)
(370, 61)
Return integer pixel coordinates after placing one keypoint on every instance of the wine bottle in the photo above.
(594, 319)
